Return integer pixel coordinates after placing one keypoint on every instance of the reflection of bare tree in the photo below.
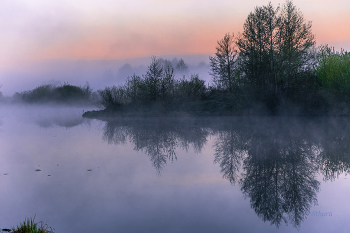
(157, 138)
(113, 133)
(158, 144)
(299, 186)
(279, 166)
(274, 160)
(229, 151)
(279, 176)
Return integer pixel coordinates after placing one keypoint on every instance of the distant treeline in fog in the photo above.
(273, 67)
(66, 93)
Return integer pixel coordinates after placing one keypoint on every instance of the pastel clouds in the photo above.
(42, 30)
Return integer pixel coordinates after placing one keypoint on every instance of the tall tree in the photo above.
(223, 63)
(295, 47)
(275, 51)
(257, 47)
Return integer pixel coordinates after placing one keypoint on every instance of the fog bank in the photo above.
(98, 73)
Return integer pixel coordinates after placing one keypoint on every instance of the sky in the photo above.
(85, 40)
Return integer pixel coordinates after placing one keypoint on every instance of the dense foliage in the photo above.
(333, 72)
(56, 94)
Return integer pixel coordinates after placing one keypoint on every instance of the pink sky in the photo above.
(42, 30)
(38, 31)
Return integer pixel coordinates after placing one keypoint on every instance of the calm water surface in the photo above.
(267, 174)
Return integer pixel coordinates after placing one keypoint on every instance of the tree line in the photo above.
(272, 67)
(157, 90)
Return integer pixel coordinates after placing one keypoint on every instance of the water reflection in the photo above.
(274, 160)
(62, 121)
(230, 149)
(334, 158)
(157, 138)
(279, 173)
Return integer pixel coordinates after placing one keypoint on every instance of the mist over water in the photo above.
(98, 73)
(208, 174)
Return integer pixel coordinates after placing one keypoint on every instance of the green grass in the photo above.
(29, 226)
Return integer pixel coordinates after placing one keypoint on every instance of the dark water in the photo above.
(240, 174)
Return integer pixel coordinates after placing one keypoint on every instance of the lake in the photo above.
(210, 174)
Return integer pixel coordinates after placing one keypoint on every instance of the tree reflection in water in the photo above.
(157, 138)
(229, 152)
(279, 174)
(275, 160)
(334, 158)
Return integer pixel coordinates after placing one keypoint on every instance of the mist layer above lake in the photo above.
(173, 174)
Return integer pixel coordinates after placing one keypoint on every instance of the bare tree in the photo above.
(223, 63)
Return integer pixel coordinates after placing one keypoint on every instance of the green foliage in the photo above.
(29, 226)
(334, 71)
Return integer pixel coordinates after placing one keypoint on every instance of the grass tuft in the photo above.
(29, 226)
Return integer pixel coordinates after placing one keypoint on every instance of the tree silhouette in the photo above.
(275, 52)
(223, 67)
(152, 78)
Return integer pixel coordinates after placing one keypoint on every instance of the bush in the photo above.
(58, 94)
